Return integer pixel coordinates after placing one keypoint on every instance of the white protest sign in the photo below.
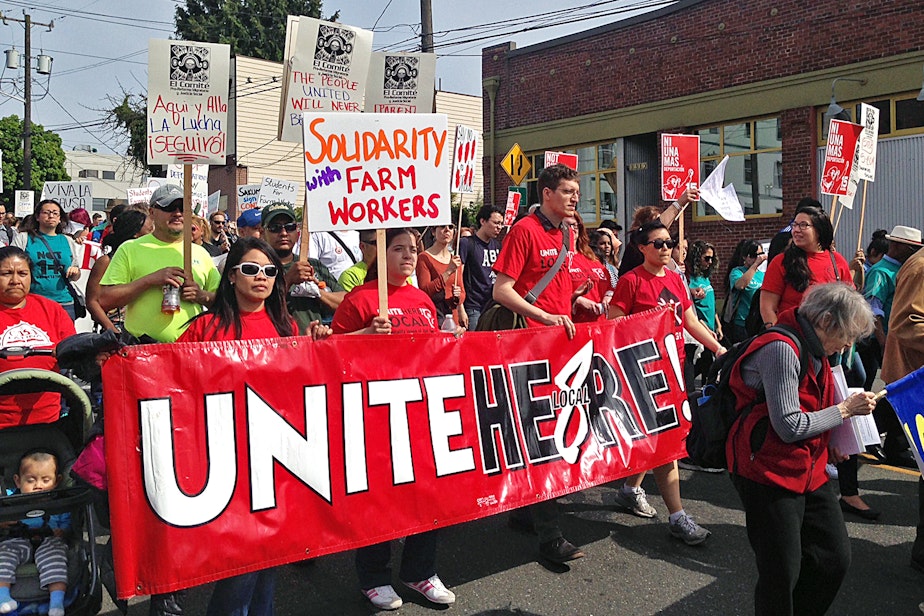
(187, 102)
(564, 158)
(247, 196)
(723, 200)
(70, 195)
(376, 170)
(325, 69)
(400, 83)
(200, 185)
(139, 195)
(463, 160)
(869, 139)
(213, 201)
(25, 203)
(273, 190)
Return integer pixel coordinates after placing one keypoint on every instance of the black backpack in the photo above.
(754, 322)
(715, 410)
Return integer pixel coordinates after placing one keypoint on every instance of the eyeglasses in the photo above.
(51, 213)
(801, 226)
(290, 227)
(708, 259)
(219, 222)
(176, 206)
(252, 269)
(570, 192)
(659, 243)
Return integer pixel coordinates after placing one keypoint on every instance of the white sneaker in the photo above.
(635, 502)
(831, 470)
(434, 590)
(383, 597)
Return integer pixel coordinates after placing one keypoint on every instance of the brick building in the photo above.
(753, 79)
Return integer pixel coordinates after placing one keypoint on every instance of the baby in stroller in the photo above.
(38, 472)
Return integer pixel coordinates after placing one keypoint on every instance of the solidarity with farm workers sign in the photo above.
(320, 447)
(187, 102)
(376, 170)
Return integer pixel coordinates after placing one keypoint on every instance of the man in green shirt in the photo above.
(355, 275)
(141, 268)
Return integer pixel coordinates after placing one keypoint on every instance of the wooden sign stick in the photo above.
(382, 270)
(840, 212)
(458, 246)
(833, 206)
(187, 221)
(304, 238)
(862, 214)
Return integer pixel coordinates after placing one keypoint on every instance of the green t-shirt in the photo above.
(353, 276)
(147, 254)
(746, 294)
(880, 284)
(705, 308)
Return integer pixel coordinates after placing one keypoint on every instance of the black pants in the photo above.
(418, 561)
(847, 476)
(917, 550)
(801, 546)
(887, 421)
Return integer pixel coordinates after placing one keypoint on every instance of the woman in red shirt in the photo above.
(439, 274)
(248, 305)
(410, 310)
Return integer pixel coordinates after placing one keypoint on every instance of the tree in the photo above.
(130, 116)
(47, 158)
(255, 28)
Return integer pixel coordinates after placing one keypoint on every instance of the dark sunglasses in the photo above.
(709, 259)
(176, 206)
(659, 243)
(252, 269)
(290, 227)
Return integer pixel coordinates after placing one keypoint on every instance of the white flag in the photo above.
(723, 200)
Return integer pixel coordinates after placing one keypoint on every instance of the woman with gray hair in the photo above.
(778, 447)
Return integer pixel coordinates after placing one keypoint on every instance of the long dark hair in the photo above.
(31, 225)
(124, 228)
(795, 260)
(697, 250)
(390, 234)
(225, 309)
(744, 249)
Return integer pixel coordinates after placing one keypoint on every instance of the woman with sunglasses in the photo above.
(701, 263)
(249, 304)
(742, 281)
(410, 310)
(439, 274)
(648, 286)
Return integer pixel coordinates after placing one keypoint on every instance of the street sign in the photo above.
(516, 164)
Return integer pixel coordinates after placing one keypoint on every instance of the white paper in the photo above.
(70, 195)
(463, 159)
(274, 190)
(857, 432)
(247, 196)
(723, 199)
(200, 185)
(25, 203)
(400, 83)
(869, 139)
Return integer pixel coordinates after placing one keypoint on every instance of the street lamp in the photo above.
(835, 111)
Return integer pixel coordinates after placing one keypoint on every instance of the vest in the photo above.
(755, 451)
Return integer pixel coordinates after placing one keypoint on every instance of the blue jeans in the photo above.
(473, 316)
(69, 309)
(250, 594)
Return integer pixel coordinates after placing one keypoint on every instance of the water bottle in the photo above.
(171, 301)
(449, 324)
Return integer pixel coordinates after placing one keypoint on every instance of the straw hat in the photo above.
(905, 235)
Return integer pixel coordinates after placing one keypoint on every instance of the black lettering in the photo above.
(494, 413)
(607, 402)
(533, 410)
(644, 386)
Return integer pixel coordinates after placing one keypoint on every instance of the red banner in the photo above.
(228, 457)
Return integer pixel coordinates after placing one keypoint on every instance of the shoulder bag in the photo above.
(80, 302)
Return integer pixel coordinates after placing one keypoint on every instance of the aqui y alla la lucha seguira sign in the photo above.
(325, 69)
(679, 165)
(373, 171)
(187, 102)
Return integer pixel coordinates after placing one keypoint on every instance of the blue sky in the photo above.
(100, 46)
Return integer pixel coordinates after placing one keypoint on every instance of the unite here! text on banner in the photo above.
(679, 165)
(839, 156)
(321, 447)
(376, 170)
(325, 69)
(187, 102)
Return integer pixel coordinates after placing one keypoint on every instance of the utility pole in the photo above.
(27, 90)
(426, 26)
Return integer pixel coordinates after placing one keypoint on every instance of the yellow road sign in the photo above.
(516, 164)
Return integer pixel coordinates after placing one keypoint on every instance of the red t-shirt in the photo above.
(254, 325)
(409, 309)
(580, 269)
(640, 290)
(39, 324)
(822, 269)
(528, 252)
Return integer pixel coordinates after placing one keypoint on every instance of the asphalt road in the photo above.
(633, 566)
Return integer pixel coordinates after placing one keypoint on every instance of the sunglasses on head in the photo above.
(290, 227)
(251, 269)
(659, 243)
(176, 206)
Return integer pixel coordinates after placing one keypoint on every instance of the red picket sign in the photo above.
(229, 457)
(839, 155)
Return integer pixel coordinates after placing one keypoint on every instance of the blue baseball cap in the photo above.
(249, 218)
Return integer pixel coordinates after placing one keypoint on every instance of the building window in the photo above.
(755, 164)
(88, 173)
(109, 175)
(900, 115)
(597, 168)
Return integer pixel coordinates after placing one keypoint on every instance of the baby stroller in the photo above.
(65, 438)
